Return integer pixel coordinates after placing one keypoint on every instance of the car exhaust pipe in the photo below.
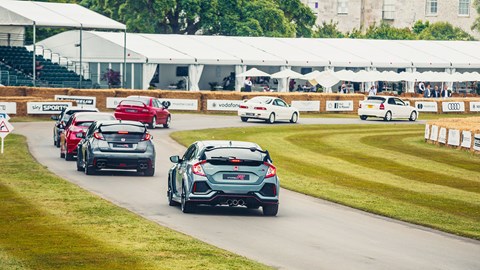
(101, 164)
(229, 202)
(234, 202)
(143, 166)
(241, 202)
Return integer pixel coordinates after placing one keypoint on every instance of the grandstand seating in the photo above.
(16, 68)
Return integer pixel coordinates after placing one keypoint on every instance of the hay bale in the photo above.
(8, 91)
(45, 92)
(130, 92)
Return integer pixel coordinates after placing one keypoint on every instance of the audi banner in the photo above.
(458, 106)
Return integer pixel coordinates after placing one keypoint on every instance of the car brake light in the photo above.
(147, 137)
(260, 108)
(197, 168)
(382, 107)
(145, 110)
(98, 136)
(235, 160)
(123, 132)
(272, 171)
(243, 107)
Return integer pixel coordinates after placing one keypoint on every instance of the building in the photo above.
(352, 14)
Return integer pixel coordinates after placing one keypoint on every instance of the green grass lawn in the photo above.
(383, 169)
(49, 223)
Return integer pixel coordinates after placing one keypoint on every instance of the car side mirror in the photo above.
(54, 117)
(175, 159)
(166, 104)
(80, 135)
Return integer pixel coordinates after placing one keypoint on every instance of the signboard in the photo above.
(175, 104)
(46, 107)
(426, 106)
(223, 105)
(434, 133)
(5, 129)
(427, 131)
(454, 137)
(476, 142)
(466, 139)
(8, 107)
(4, 116)
(442, 135)
(306, 106)
(453, 106)
(81, 100)
(339, 105)
(181, 104)
(474, 106)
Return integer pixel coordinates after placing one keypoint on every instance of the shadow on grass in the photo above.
(39, 241)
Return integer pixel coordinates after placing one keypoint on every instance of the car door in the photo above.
(160, 110)
(182, 167)
(281, 109)
(84, 143)
(403, 109)
(393, 107)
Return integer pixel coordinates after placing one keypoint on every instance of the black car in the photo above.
(63, 118)
(116, 144)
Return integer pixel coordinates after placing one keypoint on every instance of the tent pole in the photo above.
(124, 75)
(34, 50)
(81, 54)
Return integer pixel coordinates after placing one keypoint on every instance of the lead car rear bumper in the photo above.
(221, 198)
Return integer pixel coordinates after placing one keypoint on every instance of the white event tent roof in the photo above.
(27, 13)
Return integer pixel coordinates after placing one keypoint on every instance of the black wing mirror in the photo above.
(175, 159)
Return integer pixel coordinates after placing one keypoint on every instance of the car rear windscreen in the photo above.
(129, 102)
(261, 100)
(374, 99)
(144, 100)
(95, 116)
(234, 153)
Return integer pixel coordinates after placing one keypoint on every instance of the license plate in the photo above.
(122, 145)
(130, 110)
(370, 106)
(236, 176)
(250, 114)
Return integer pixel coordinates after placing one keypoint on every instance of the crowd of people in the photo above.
(425, 89)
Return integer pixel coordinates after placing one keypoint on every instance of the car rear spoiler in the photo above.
(267, 157)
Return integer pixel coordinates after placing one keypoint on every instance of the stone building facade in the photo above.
(352, 14)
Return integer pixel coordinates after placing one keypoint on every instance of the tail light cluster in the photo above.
(260, 108)
(98, 136)
(147, 137)
(243, 107)
(197, 168)
(382, 107)
(271, 171)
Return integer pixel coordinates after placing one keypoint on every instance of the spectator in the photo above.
(427, 92)
(436, 92)
(248, 84)
(343, 89)
(291, 85)
(446, 93)
(372, 91)
(421, 88)
(38, 68)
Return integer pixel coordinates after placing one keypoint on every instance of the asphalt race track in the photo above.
(308, 233)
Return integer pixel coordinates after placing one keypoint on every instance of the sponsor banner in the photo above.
(442, 135)
(223, 105)
(454, 137)
(466, 139)
(46, 107)
(112, 102)
(306, 106)
(434, 133)
(339, 105)
(476, 142)
(181, 104)
(81, 100)
(453, 106)
(427, 131)
(8, 107)
(474, 106)
(426, 106)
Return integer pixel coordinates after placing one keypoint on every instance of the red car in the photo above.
(74, 130)
(147, 110)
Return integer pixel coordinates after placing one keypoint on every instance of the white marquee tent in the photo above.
(210, 58)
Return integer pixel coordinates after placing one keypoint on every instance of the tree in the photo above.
(328, 30)
(419, 26)
(300, 15)
(444, 31)
(386, 31)
(476, 24)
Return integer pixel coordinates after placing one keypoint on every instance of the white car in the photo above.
(386, 107)
(270, 109)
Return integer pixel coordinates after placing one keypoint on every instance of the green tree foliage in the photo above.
(443, 31)
(385, 31)
(419, 26)
(476, 24)
(328, 30)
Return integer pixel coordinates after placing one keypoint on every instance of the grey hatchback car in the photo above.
(229, 173)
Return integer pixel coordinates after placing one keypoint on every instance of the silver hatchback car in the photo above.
(229, 173)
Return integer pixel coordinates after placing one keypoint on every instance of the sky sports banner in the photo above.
(454, 137)
(47, 107)
(453, 106)
(175, 104)
(426, 106)
(442, 135)
(466, 139)
(306, 106)
(223, 105)
(339, 105)
(476, 142)
(8, 107)
(81, 100)
(474, 106)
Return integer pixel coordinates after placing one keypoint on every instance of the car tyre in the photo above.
(167, 123)
(171, 202)
(89, 170)
(244, 119)
(413, 116)
(271, 118)
(79, 168)
(388, 116)
(153, 124)
(69, 157)
(363, 117)
(149, 172)
(294, 118)
(187, 207)
(270, 210)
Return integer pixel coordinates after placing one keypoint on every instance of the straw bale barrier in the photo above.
(12, 91)
(461, 133)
